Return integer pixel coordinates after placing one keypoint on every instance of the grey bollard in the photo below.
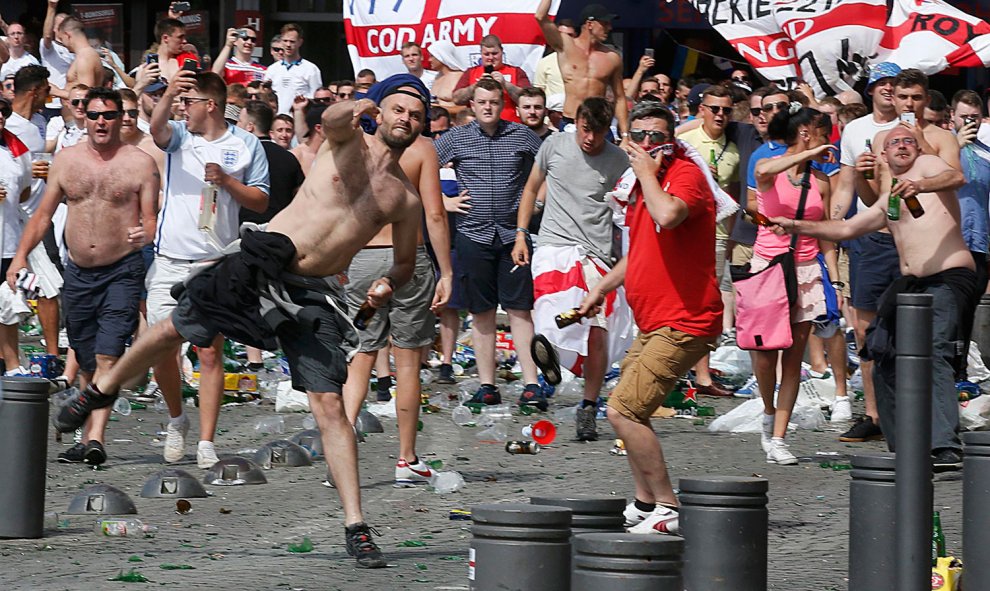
(723, 520)
(872, 526)
(981, 328)
(590, 514)
(913, 428)
(520, 547)
(976, 514)
(626, 562)
(23, 463)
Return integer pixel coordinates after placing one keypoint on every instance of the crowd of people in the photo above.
(186, 203)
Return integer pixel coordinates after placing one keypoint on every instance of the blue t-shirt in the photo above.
(973, 196)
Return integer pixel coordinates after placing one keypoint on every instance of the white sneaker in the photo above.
(663, 520)
(767, 434)
(409, 475)
(779, 454)
(841, 409)
(206, 456)
(175, 440)
(634, 516)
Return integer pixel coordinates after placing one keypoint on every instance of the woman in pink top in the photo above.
(778, 182)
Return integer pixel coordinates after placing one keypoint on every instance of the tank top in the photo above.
(781, 200)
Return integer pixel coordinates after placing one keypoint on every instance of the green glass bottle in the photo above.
(893, 204)
(938, 538)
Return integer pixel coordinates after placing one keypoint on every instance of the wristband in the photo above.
(523, 230)
(391, 282)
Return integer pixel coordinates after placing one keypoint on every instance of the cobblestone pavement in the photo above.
(246, 549)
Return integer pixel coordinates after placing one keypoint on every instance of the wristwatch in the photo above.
(838, 284)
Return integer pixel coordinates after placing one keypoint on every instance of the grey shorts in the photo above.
(406, 317)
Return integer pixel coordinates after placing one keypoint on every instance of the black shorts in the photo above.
(101, 307)
(487, 278)
(873, 266)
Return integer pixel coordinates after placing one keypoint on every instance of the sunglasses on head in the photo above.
(775, 106)
(108, 115)
(656, 137)
(716, 109)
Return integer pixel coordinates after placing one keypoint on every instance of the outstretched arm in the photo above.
(342, 121)
(554, 39)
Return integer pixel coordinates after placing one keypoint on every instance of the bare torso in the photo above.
(350, 194)
(587, 72)
(412, 164)
(103, 200)
(86, 69)
(443, 89)
(933, 242)
(306, 155)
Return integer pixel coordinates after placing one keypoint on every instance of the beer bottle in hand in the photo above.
(565, 319)
(366, 311)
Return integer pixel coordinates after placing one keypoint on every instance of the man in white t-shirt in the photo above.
(56, 57)
(292, 76)
(19, 56)
(412, 58)
(202, 147)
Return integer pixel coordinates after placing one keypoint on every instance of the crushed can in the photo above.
(522, 447)
(946, 574)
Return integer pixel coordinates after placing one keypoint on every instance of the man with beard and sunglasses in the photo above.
(105, 271)
(358, 186)
(669, 277)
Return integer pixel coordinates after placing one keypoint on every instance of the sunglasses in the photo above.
(740, 79)
(656, 137)
(907, 141)
(325, 100)
(755, 112)
(716, 109)
(345, 95)
(77, 102)
(277, 49)
(187, 100)
(132, 113)
(108, 115)
(251, 39)
(775, 106)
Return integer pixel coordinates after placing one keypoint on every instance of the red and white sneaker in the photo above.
(663, 520)
(409, 475)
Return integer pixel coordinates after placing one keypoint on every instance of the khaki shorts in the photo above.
(742, 254)
(162, 275)
(844, 272)
(652, 367)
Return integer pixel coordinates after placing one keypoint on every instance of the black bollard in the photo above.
(23, 467)
(981, 328)
(627, 562)
(519, 547)
(589, 514)
(724, 523)
(913, 414)
(976, 514)
(872, 525)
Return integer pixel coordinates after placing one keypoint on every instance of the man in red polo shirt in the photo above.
(669, 276)
(512, 78)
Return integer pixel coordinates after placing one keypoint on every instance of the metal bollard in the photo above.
(913, 426)
(724, 523)
(872, 526)
(589, 514)
(520, 547)
(627, 562)
(23, 463)
(981, 327)
(976, 515)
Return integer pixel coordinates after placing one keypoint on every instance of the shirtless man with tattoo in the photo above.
(112, 194)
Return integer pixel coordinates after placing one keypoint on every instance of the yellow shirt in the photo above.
(548, 75)
(726, 158)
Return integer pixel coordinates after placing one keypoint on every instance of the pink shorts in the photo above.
(810, 302)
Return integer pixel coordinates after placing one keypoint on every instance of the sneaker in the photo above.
(864, 430)
(946, 460)
(446, 374)
(545, 357)
(383, 396)
(409, 475)
(532, 395)
(842, 409)
(487, 394)
(77, 409)
(766, 435)
(728, 338)
(634, 516)
(587, 429)
(713, 389)
(663, 520)
(206, 455)
(779, 454)
(361, 546)
(94, 454)
(748, 390)
(175, 440)
(73, 455)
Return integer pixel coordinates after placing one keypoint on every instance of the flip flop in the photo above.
(545, 357)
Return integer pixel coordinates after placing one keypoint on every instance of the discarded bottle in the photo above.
(496, 432)
(122, 406)
(938, 538)
(270, 426)
(522, 447)
(462, 416)
(301, 548)
(543, 432)
(447, 482)
(366, 311)
(124, 528)
(893, 204)
(565, 319)
(460, 515)
(868, 175)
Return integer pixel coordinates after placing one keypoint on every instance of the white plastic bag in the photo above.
(383, 410)
(732, 361)
(974, 414)
(976, 369)
(808, 417)
(816, 392)
(745, 418)
(289, 400)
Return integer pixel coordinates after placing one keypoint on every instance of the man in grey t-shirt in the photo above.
(573, 253)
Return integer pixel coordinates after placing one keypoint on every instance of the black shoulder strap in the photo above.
(805, 187)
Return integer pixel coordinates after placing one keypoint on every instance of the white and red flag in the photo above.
(932, 35)
(376, 30)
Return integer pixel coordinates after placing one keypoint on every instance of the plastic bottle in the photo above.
(122, 406)
(270, 426)
(462, 416)
(497, 432)
(120, 527)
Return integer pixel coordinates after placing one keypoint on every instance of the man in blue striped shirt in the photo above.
(493, 159)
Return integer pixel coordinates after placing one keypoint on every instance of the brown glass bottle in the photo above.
(364, 314)
(914, 206)
(567, 318)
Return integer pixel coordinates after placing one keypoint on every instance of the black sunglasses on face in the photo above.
(716, 109)
(132, 113)
(108, 115)
(323, 100)
(755, 112)
(656, 137)
(277, 49)
(775, 106)
(77, 102)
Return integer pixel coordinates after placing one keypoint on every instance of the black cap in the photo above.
(597, 12)
(314, 116)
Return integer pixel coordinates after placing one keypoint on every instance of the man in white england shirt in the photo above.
(292, 76)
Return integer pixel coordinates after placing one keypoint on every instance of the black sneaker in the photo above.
(946, 460)
(95, 454)
(383, 396)
(487, 394)
(74, 455)
(361, 546)
(545, 357)
(587, 428)
(76, 410)
(864, 430)
(446, 374)
(532, 395)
